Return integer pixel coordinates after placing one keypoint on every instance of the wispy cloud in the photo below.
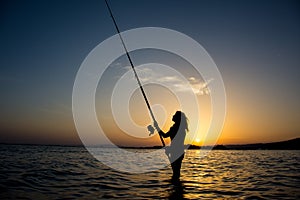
(176, 83)
(204, 89)
(116, 65)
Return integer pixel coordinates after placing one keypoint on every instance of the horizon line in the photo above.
(124, 146)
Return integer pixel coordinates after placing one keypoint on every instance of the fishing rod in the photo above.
(135, 74)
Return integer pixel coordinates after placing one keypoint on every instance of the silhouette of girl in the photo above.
(177, 134)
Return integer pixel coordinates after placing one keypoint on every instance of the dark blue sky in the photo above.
(255, 45)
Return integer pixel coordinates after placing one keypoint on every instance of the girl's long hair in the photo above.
(182, 119)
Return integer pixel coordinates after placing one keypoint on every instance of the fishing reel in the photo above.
(150, 129)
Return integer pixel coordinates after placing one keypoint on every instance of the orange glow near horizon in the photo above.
(257, 59)
(247, 121)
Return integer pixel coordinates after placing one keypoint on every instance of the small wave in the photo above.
(41, 172)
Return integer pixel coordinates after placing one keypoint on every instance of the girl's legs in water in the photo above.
(176, 166)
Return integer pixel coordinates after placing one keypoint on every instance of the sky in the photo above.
(255, 45)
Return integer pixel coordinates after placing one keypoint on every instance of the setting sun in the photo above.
(196, 141)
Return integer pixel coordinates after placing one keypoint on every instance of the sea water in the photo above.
(58, 172)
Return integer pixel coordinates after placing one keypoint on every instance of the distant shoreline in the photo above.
(293, 144)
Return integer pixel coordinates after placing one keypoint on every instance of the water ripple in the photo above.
(53, 172)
